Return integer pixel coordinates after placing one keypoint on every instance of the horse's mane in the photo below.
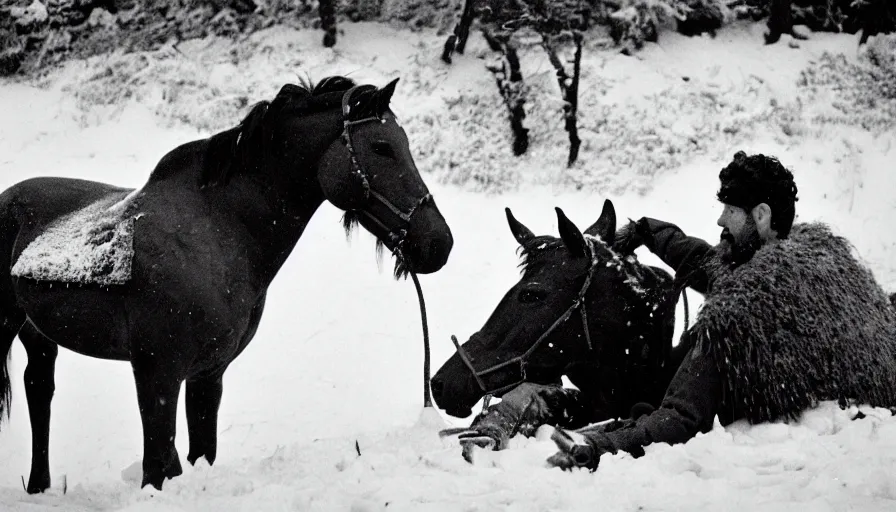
(639, 277)
(232, 151)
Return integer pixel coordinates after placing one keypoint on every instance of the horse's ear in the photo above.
(571, 236)
(520, 232)
(605, 227)
(384, 95)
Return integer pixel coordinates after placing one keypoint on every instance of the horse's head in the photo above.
(369, 172)
(578, 303)
(335, 141)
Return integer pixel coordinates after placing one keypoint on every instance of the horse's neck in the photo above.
(589, 378)
(614, 380)
(274, 217)
(274, 212)
(276, 198)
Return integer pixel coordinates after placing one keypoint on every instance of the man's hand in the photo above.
(572, 454)
(631, 236)
(521, 411)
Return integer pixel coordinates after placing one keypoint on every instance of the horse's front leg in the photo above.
(158, 386)
(204, 397)
(40, 385)
(203, 401)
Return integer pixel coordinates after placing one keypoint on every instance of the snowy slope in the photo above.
(337, 357)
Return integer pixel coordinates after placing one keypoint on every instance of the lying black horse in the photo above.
(582, 310)
(211, 228)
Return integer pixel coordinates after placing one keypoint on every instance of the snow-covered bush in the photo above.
(638, 21)
(704, 16)
(881, 54)
(862, 93)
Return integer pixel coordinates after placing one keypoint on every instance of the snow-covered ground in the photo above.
(337, 359)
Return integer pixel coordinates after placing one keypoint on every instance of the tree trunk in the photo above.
(327, 10)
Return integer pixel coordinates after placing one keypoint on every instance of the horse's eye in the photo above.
(530, 296)
(383, 149)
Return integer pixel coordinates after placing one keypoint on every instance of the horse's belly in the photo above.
(89, 320)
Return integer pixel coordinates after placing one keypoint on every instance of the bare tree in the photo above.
(555, 21)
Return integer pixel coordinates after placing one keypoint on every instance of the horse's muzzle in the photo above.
(454, 389)
(428, 242)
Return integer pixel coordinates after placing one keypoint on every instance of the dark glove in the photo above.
(631, 236)
(483, 436)
(521, 411)
(572, 454)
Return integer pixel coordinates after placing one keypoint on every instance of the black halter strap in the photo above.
(393, 234)
(633, 365)
(522, 360)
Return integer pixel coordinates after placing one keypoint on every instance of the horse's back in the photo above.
(68, 316)
(29, 206)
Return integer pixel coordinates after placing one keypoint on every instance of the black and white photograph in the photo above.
(448, 255)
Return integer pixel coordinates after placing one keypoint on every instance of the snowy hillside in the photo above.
(337, 359)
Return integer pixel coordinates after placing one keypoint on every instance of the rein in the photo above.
(427, 394)
(522, 360)
(395, 236)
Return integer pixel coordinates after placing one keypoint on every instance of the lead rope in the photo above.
(427, 396)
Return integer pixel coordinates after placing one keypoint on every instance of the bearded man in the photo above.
(790, 318)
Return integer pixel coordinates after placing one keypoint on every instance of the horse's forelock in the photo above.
(532, 248)
(364, 103)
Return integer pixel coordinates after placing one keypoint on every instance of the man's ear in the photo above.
(762, 216)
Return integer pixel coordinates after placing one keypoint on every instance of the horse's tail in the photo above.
(8, 319)
(5, 386)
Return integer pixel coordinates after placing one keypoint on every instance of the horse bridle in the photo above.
(631, 355)
(522, 359)
(394, 236)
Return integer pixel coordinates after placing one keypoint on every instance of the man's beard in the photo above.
(737, 251)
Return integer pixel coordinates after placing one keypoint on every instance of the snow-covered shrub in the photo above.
(638, 21)
(703, 16)
(881, 54)
(862, 93)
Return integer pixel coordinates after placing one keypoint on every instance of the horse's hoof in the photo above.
(153, 481)
(208, 454)
(38, 483)
(37, 488)
(157, 480)
(156, 476)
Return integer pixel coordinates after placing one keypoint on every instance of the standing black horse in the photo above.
(581, 309)
(210, 229)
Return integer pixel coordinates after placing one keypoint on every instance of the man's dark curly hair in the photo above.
(750, 180)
